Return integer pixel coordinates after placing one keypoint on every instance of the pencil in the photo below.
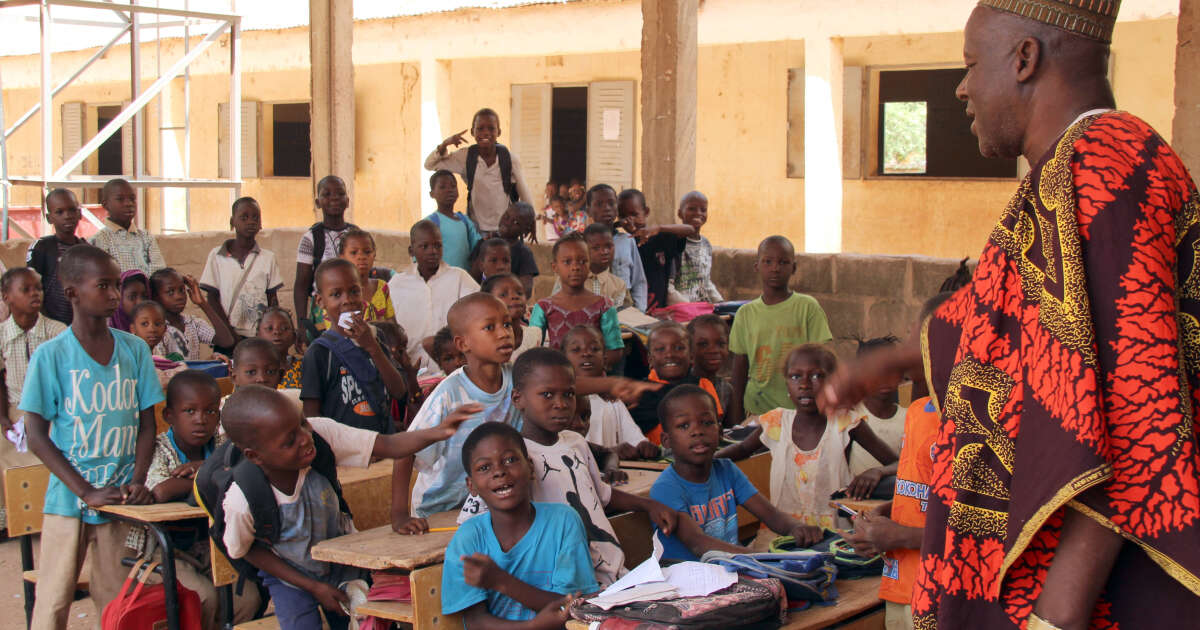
(442, 529)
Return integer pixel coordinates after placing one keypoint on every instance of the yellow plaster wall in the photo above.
(741, 129)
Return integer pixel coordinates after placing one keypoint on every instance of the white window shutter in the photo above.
(72, 132)
(853, 89)
(127, 145)
(250, 116)
(610, 121)
(531, 109)
(250, 110)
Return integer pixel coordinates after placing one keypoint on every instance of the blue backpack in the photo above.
(806, 575)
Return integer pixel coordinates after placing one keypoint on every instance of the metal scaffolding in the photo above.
(129, 21)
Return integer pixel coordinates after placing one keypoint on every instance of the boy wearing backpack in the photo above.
(346, 373)
(276, 495)
(319, 243)
(492, 172)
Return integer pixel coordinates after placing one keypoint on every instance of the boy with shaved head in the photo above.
(275, 437)
(482, 330)
(426, 290)
(1064, 488)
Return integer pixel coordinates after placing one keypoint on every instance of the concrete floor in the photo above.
(12, 604)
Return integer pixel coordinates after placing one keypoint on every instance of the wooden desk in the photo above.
(382, 549)
(858, 600)
(155, 512)
(644, 464)
(155, 516)
(858, 603)
(640, 482)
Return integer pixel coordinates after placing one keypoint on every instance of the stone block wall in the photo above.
(863, 296)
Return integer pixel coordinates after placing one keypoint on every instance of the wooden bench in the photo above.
(425, 611)
(24, 496)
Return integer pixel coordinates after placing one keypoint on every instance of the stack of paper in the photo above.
(650, 582)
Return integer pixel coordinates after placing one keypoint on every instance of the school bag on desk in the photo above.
(138, 608)
(750, 603)
(805, 576)
(849, 564)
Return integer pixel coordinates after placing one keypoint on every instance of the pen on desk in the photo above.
(442, 529)
(845, 508)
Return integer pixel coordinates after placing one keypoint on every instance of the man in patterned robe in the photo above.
(1066, 480)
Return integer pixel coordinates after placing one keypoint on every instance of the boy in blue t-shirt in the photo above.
(517, 561)
(482, 329)
(459, 234)
(89, 408)
(705, 489)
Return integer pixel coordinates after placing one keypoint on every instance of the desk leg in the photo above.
(225, 592)
(30, 587)
(171, 595)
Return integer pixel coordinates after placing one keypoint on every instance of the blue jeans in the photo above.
(296, 609)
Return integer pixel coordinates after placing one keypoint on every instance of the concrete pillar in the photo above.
(331, 38)
(823, 94)
(435, 120)
(1185, 131)
(669, 71)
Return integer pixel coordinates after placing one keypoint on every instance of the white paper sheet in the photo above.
(648, 571)
(697, 579)
(17, 436)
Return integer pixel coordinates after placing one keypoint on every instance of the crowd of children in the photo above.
(500, 407)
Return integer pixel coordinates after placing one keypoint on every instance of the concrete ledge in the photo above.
(863, 296)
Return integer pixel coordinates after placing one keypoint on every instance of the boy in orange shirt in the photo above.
(896, 528)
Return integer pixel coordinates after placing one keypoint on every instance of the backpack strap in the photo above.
(469, 173)
(261, 499)
(318, 230)
(360, 366)
(506, 178)
(318, 238)
(325, 463)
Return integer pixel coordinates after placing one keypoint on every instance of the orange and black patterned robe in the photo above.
(1067, 376)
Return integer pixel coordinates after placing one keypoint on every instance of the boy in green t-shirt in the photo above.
(765, 331)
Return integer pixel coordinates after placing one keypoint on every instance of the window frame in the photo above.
(874, 131)
(266, 138)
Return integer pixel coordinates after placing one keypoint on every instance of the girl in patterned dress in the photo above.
(358, 247)
(276, 326)
(574, 304)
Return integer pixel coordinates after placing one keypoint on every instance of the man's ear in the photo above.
(70, 292)
(516, 398)
(460, 344)
(664, 438)
(1028, 57)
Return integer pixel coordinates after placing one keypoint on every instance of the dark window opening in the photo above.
(568, 134)
(291, 141)
(109, 158)
(924, 129)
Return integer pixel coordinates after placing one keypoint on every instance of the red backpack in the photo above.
(140, 608)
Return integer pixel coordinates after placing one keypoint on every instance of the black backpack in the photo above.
(505, 158)
(318, 238)
(227, 465)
